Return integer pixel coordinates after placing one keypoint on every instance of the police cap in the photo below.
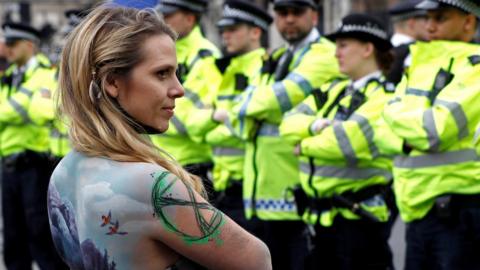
(237, 11)
(170, 6)
(469, 6)
(17, 31)
(294, 3)
(363, 27)
(405, 10)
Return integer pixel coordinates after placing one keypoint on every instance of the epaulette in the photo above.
(7, 79)
(474, 59)
(223, 63)
(205, 53)
(241, 81)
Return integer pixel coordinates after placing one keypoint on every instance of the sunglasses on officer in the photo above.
(295, 11)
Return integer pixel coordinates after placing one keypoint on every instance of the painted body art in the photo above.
(162, 197)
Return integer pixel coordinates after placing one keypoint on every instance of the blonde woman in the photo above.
(115, 201)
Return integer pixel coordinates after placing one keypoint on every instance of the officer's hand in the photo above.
(320, 124)
(220, 115)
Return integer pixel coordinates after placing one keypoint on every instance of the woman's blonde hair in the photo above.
(107, 43)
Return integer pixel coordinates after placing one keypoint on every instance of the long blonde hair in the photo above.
(109, 42)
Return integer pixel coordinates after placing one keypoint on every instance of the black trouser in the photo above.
(286, 240)
(25, 179)
(351, 244)
(201, 170)
(230, 202)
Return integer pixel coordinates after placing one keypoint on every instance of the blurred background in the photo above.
(48, 16)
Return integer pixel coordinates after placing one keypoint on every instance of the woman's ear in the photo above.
(112, 86)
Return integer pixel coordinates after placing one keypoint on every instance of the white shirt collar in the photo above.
(360, 83)
(399, 39)
(30, 63)
(311, 37)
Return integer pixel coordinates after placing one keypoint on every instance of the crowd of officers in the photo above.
(314, 147)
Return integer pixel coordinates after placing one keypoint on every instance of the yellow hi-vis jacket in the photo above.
(234, 74)
(432, 122)
(195, 56)
(343, 157)
(270, 166)
(23, 121)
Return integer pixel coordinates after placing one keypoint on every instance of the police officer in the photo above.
(195, 55)
(433, 119)
(59, 142)
(340, 165)
(242, 25)
(409, 25)
(287, 77)
(23, 146)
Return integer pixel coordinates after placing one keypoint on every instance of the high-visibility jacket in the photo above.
(343, 157)
(59, 144)
(195, 56)
(432, 120)
(234, 74)
(270, 166)
(23, 122)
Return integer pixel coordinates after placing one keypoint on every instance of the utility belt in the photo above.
(448, 206)
(348, 200)
(23, 160)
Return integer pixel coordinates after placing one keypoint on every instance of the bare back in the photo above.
(138, 216)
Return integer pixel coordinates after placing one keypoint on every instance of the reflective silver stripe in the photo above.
(25, 91)
(417, 92)
(394, 100)
(227, 97)
(228, 151)
(179, 125)
(367, 131)
(301, 82)
(438, 159)
(269, 130)
(431, 129)
(282, 96)
(346, 173)
(56, 134)
(459, 116)
(194, 98)
(302, 108)
(20, 110)
(477, 134)
(344, 144)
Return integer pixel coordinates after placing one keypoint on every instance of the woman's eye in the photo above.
(162, 74)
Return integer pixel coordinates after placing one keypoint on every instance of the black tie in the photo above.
(282, 68)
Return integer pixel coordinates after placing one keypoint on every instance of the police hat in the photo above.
(469, 6)
(170, 6)
(16, 31)
(405, 10)
(237, 11)
(294, 3)
(363, 27)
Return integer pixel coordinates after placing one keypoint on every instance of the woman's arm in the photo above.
(188, 224)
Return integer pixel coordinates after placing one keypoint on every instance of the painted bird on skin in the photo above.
(106, 219)
(114, 229)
